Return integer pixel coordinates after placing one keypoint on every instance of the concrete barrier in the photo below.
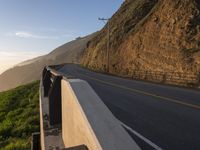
(87, 121)
(72, 116)
(42, 140)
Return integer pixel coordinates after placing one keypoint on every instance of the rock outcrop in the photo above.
(149, 35)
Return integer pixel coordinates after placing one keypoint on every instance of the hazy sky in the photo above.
(29, 28)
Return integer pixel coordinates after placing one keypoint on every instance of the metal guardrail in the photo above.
(51, 80)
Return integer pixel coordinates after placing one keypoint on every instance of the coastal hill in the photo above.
(31, 70)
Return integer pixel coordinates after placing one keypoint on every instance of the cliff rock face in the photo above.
(149, 35)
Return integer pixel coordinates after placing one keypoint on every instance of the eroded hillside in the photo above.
(149, 35)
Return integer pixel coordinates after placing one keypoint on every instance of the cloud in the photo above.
(30, 35)
(24, 34)
(50, 33)
(22, 54)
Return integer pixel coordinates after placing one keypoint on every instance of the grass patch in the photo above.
(19, 116)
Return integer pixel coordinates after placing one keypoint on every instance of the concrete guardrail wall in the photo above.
(84, 119)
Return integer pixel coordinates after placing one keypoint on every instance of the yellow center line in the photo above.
(145, 93)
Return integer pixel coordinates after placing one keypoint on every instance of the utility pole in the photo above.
(108, 43)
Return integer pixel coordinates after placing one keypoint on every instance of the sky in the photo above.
(30, 28)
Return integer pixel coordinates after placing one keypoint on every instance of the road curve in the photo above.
(156, 116)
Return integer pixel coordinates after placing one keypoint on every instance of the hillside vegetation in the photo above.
(19, 116)
(149, 35)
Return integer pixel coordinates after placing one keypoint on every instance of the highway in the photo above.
(156, 116)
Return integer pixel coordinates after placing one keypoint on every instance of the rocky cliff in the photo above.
(149, 35)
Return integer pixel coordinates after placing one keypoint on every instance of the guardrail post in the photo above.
(46, 81)
(55, 114)
(35, 143)
(44, 72)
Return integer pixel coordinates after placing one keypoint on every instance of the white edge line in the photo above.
(140, 136)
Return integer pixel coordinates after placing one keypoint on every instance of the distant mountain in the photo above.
(31, 70)
(149, 35)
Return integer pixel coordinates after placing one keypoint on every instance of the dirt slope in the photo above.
(149, 35)
(31, 70)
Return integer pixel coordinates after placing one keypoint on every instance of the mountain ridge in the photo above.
(31, 70)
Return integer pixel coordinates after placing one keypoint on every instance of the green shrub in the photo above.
(19, 116)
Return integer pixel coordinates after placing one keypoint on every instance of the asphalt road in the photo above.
(156, 116)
